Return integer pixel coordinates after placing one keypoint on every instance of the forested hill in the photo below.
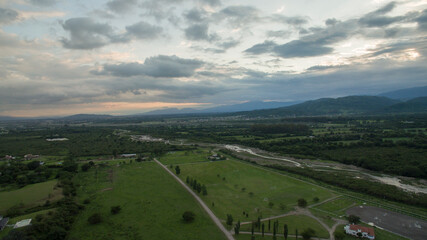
(332, 106)
(411, 106)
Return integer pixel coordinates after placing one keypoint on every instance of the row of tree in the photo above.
(197, 186)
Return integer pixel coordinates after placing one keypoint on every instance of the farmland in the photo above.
(152, 205)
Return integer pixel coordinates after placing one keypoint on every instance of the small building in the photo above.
(360, 231)
(128, 155)
(216, 157)
(3, 222)
(30, 156)
(22, 223)
(9, 157)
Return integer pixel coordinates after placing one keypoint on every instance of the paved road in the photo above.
(208, 211)
(403, 225)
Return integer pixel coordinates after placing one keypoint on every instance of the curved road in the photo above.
(208, 211)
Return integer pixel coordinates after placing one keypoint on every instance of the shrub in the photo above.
(302, 203)
(115, 209)
(188, 216)
(95, 218)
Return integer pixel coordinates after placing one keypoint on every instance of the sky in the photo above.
(63, 57)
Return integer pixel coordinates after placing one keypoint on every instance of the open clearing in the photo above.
(30, 195)
(395, 222)
(234, 187)
(152, 205)
(180, 157)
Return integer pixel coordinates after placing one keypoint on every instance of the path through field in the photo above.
(208, 211)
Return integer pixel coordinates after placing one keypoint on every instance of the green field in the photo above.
(190, 156)
(299, 222)
(337, 206)
(259, 237)
(30, 195)
(152, 204)
(230, 184)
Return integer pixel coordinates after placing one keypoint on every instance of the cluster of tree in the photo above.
(290, 128)
(56, 224)
(197, 186)
(22, 174)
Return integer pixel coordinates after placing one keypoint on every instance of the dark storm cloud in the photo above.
(377, 18)
(279, 34)
(143, 30)
(260, 48)
(43, 3)
(85, 33)
(121, 6)
(422, 21)
(8, 15)
(195, 15)
(159, 66)
(299, 48)
(199, 32)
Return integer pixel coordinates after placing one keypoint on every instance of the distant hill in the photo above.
(415, 105)
(406, 94)
(80, 117)
(332, 106)
(171, 111)
(248, 106)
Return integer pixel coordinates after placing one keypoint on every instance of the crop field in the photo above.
(234, 187)
(30, 195)
(179, 157)
(294, 222)
(151, 201)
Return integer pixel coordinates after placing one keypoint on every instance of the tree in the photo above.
(262, 227)
(302, 202)
(308, 233)
(269, 223)
(285, 231)
(95, 218)
(177, 170)
(229, 219)
(187, 180)
(188, 216)
(270, 204)
(353, 219)
(204, 191)
(282, 206)
(339, 235)
(316, 199)
(85, 167)
(115, 209)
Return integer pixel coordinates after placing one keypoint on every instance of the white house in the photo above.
(357, 230)
(22, 223)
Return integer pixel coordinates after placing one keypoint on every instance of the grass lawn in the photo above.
(337, 206)
(379, 234)
(225, 180)
(152, 204)
(30, 195)
(300, 222)
(325, 217)
(179, 157)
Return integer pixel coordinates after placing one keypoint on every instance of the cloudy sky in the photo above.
(62, 57)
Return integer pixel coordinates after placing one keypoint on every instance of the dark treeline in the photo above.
(289, 128)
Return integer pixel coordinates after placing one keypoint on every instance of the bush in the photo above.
(302, 203)
(86, 201)
(308, 234)
(95, 218)
(229, 219)
(115, 209)
(188, 216)
(85, 167)
(353, 219)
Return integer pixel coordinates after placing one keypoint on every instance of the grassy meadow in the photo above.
(152, 204)
(190, 156)
(235, 187)
(30, 195)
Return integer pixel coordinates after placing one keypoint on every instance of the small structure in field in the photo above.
(3, 222)
(360, 231)
(128, 155)
(216, 157)
(56, 139)
(22, 223)
(31, 156)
